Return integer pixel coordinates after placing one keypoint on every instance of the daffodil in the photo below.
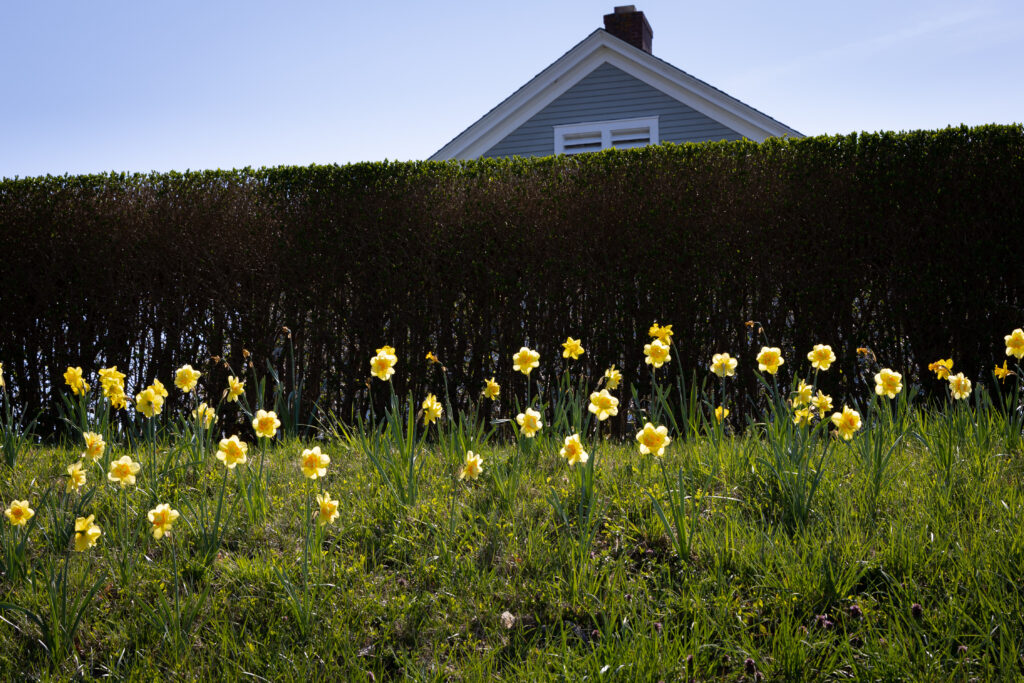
(941, 368)
(525, 360)
(802, 395)
(206, 415)
(769, 359)
(148, 402)
(18, 513)
(846, 422)
(822, 403)
(491, 389)
(389, 350)
(109, 378)
(432, 409)
(802, 416)
(86, 533)
(265, 424)
(73, 378)
(186, 378)
(959, 386)
(2, 385)
(236, 387)
(529, 422)
(232, 451)
(472, 467)
(328, 509)
(1003, 372)
(653, 439)
(76, 477)
(572, 348)
(159, 388)
(94, 445)
(123, 471)
(1015, 343)
(821, 357)
(723, 365)
(603, 404)
(162, 517)
(721, 413)
(573, 451)
(433, 358)
(117, 397)
(663, 333)
(382, 366)
(657, 353)
(612, 377)
(888, 383)
(314, 463)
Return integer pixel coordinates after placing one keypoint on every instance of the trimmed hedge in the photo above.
(907, 243)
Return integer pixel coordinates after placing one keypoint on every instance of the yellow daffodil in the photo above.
(314, 463)
(432, 409)
(2, 385)
(572, 348)
(723, 365)
(612, 377)
(802, 416)
(491, 389)
(1015, 343)
(18, 513)
(959, 386)
(529, 422)
(328, 509)
(149, 403)
(433, 358)
(662, 333)
(802, 395)
(1003, 372)
(186, 378)
(76, 477)
(159, 388)
(846, 422)
(721, 413)
(821, 357)
(657, 353)
(232, 452)
(73, 378)
(236, 388)
(389, 350)
(941, 368)
(822, 403)
(525, 360)
(769, 359)
(888, 383)
(162, 517)
(653, 439)
(94, 445)
(573, 451)
(603, 404)
(110, 377)
(382, 366)
(123, 471)
(472, 467)
(205, 414)
(265, 424)
(118, 399)
(86, 533)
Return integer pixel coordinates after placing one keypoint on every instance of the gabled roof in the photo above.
(598, 48)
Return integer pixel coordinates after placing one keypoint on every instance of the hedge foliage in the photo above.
(909, 244)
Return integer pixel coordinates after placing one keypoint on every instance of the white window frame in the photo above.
(606, 129)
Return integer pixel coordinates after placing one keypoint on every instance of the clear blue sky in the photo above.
(139, 86)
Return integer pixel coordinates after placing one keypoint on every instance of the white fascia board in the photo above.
(596, 49)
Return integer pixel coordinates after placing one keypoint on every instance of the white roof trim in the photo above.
(598, 48)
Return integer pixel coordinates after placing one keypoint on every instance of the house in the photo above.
(610, 91)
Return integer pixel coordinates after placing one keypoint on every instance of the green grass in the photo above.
(409, 592)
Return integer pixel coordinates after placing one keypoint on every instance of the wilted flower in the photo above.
(86, 533)
(653, 439)
(491, 389)
(656, 353)
(206, 415)
(573, 451)
(941, 368)
(432, 409)
(94, 445)
(382, 366)
(572, 348)
(769, 359)
(123, 471)
(76, 477)
(162, 517)
(1015, 343)
(1003, 372)
(73, 378)
(232, 451)
(662, 333)
(888, 383)
(314, 463)
(959, 386)
(721, 413)
(822, 403)
(236, 388)
(821, 357)
(18, 513)
(603, 404)
(612, 378)
(148, 402)
(847, 422)
(802, 395)
(529, 422)
(525, 360)
(328, 509)
(472, 467)
(723, 365)
(265, 424)
(433, 358)
(802, 416)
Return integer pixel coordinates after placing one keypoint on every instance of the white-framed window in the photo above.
(574, 138)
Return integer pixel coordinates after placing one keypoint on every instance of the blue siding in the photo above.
(604, 94)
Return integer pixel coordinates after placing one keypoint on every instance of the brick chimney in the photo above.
(631, 26)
